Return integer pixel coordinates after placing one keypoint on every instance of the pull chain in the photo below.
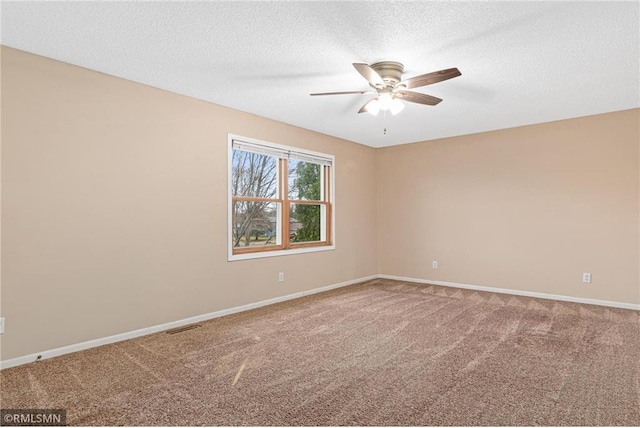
(384, 120)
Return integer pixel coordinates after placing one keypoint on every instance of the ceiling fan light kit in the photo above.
(385, 78)
(384, 102)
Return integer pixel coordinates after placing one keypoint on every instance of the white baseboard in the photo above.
(517, 292)
(167, 326)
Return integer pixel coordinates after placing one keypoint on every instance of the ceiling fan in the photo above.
(386, 79)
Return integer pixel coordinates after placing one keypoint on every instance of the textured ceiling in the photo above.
(521, 62)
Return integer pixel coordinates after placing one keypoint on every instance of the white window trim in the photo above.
(276, 253)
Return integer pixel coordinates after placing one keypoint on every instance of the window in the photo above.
(280, 200)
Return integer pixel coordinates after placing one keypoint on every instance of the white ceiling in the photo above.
(521, 62)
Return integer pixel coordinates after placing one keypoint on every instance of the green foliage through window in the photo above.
(306, 186)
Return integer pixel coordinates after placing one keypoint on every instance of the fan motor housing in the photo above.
(390, 71)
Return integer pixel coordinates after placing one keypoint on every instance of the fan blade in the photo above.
(430, 78)
(369, 73)
(417, 97)
(364, 107)
(342, 93)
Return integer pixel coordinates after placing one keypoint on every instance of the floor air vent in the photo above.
(181, 329)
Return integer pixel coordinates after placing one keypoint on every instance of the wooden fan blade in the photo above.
(430, 78)
(417, 97)
(364, 107)
(341, 93)
(369, 73)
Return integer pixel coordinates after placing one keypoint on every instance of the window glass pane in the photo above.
(305, 224)
(254, 175)
(255, 224)
(304, 181)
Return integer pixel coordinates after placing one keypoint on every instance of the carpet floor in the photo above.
(378, 353)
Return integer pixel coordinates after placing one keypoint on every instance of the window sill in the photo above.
(278, 253)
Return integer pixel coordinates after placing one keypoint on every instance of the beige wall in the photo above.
(528, 208)
(115, 207)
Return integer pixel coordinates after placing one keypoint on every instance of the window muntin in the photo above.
(280, 199)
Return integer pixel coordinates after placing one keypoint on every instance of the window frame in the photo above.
(327, 195)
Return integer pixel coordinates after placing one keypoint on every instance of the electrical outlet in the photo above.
(281, 277)
(2, 325)
(586, 278)
(434, 264)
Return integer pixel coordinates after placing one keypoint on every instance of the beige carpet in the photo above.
(378, 353)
